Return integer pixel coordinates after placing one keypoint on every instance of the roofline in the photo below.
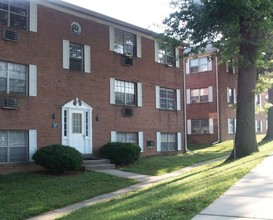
(97, 15)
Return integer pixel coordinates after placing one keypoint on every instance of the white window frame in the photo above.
(178, 141)
(140, 138)
(258, 126)
(233, 92)
(30, 146)
(188, 65)
(258, 100)
(231, 123)
(86, 56)
(138, 94)
(189, 127)
(210, 95)
(229, 64)
(176, 62)
(177, 98)
(137, 48)
(30, 79)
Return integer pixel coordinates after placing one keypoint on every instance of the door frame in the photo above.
(67, 109)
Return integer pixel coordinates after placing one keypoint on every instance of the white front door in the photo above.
(77, 129)
(77, 126)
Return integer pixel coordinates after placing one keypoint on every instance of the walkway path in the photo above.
(250, 198)
(144, 181)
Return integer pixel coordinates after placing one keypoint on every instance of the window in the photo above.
(199, 95)
(230, 66)
(200, 126)
(231, 125)
(127, 137)
(14, 14)
(231, 95)
(258, 100)
(125, 93)
(258, 126)
(13, 78)
(125, 42)
(168, 142)
(167, 98)
(76, 123)
(200, 64)
(13, 146)
(76, 57)
(166, 54)
(87, 124)
(65, 123)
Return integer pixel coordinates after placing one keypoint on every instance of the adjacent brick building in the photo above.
(211, 96)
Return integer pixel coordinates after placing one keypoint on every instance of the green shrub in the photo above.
(120, 153)
(58, 158)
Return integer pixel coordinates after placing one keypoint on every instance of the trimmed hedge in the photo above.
(120, 153)
(58, 158)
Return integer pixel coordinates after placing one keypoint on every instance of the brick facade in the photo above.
(219, 109)
(46, 114)
(57, 86)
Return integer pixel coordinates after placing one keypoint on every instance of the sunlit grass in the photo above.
(28, 194)
(159, 165)
(179, 198)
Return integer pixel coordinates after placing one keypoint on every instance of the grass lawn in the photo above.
(29, 194)
(179, 198)
(159, 165)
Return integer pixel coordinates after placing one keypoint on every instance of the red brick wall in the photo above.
(203, 110)
(57, 86)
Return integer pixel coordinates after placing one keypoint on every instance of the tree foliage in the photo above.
(240, 29)
(265, 83)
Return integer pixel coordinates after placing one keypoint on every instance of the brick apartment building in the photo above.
(72, 76)
(211, 89)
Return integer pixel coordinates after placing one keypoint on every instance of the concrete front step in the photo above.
(100, 167)
(103, 164)
(96, 162)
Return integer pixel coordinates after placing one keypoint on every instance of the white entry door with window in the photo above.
(77, 126)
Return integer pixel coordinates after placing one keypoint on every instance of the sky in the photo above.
(147, 14)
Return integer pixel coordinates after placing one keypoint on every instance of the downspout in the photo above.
(185, 106)
(217, 100)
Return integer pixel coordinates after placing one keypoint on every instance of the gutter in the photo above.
(185, 107)
(217, 100)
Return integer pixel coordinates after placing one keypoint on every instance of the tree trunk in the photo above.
(245, 137)
(269, 133)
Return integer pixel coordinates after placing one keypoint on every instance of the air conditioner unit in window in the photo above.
(10, 35)
(150, 143)
(127, 59)
(127, 112)
(10, 103)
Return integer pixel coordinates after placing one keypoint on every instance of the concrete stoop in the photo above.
(102, 164)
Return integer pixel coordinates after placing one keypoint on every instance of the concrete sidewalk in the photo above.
(250, 198)
(144, 181)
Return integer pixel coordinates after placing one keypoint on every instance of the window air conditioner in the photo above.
(10, 35)
(128, 112)
(10, 103)
(127, 59)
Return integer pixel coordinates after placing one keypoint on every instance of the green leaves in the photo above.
(218, 22)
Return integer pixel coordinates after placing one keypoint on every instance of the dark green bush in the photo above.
(120, 153)
(58, 158)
